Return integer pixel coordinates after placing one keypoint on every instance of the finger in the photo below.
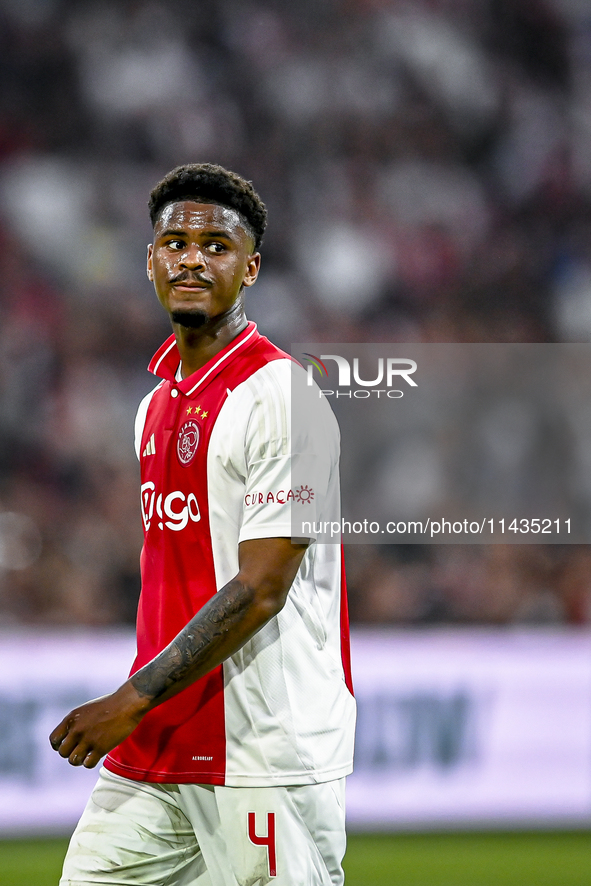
(76, 758)
(79, 754)
(59, 733)
(92, 759)
(69, 744)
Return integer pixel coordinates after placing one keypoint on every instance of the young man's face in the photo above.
(201, 258)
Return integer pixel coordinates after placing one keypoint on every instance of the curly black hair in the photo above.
(209, 183)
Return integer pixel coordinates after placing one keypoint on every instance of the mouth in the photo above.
(190, 284)
(190, 287)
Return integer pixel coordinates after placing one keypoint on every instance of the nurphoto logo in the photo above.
(388, 372)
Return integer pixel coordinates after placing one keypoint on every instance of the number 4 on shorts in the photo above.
(268, 840)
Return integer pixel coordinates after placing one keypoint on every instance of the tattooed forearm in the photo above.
(223, 623)
(267, 568)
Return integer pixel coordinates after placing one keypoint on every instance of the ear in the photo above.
(253, 267)
(149, 262)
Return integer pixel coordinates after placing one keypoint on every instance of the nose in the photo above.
(192, 258)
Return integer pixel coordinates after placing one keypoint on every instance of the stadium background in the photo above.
(427, 169)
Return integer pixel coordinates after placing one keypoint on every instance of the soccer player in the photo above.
(229, 743)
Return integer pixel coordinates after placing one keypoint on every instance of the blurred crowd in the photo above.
(427, 169)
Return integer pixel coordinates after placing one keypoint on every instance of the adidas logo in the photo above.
(151, 447)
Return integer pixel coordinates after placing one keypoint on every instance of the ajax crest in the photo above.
(187, 442)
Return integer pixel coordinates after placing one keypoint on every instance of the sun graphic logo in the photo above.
(304, 494)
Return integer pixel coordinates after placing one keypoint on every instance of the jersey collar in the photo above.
(165, 361)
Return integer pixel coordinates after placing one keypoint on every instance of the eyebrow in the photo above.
(220, 234)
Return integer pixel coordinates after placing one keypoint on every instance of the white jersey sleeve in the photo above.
(285, 457)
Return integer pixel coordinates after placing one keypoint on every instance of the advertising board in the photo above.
(456, 728)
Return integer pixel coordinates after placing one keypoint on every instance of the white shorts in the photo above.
(135, 832)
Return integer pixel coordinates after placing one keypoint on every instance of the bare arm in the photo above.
(267, 568)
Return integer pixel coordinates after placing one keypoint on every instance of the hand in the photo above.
(95, 728)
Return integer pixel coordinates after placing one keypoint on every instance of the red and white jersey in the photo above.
(219, 455)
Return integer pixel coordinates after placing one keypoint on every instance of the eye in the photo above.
(175, 243)
(216, 248)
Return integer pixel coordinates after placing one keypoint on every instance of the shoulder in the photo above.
(257, 411)
(269, 382)
(272, 380)
(277, 401)
(280, 383)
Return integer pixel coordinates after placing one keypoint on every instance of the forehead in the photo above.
(195, 218)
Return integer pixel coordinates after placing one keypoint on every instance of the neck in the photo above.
(198, 346)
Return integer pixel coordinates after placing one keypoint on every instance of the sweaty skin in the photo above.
(201, 260)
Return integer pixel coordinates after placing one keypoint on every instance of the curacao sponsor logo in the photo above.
(303, 494)
(174, 510)
(187, 442)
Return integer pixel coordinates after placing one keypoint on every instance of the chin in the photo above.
(190, 319)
